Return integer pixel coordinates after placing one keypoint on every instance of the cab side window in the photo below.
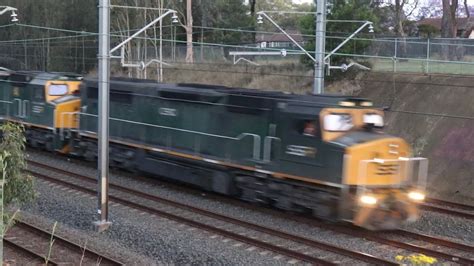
(309, 128)
(38, 95)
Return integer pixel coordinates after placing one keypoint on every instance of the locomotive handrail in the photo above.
(19, 106)
(256, 144)
(256, 138)
(267, 148)
(26, 104)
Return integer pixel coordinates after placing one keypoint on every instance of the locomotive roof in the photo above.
(150, 87)
(41, 77)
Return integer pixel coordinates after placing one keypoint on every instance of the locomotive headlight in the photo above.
(416, 195)
(374, 119)
(368, 200)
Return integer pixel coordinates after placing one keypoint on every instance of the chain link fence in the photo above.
(78, 54)
(450, 56)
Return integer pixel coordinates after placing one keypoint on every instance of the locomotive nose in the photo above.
(391, 211)
(385, 183)
(376, 162)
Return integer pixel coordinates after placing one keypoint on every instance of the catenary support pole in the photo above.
(103, 119)
(320, 46)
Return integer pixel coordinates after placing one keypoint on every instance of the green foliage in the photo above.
(336, 32)
(18, 186)
(52, 55)
(228, 14)
(427, 30)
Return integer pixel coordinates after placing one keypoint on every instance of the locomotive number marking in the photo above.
(37, 109)
(303, 151)
(168, 111)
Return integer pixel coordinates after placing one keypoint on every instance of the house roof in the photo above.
(436, 22)
(279, 37)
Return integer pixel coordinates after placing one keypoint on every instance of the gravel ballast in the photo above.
(168, 242)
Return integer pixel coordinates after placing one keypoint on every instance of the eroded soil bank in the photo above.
(436, 115)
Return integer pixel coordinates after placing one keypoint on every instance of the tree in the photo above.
(427, 30)
(252, 7)
(449, 26)
(18, 187)
(466, 9)
(189, 32)
(431, 9)
(336, 32)
(52, 53)
(401, 13)
(284, 20)
(448, 21)
(434, 9)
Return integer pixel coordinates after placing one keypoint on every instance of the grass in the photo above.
(417, 66)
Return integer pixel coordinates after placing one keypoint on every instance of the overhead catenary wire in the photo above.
(115, 34)
(220, 70)
(85, 34)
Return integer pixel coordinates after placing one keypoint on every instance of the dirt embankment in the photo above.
(436, 115)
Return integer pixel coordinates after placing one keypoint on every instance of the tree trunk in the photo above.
(399, 17)
(449, 26)
(252, 7)
(448, 22)
(252, 13)
(201, 4)
(189, 33)
(466, 7)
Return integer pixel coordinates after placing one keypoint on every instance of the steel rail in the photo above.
(65, 242)
(450, 204)
(350, 231)
(28, 251)
(435, 240)
(250, 241)
(306, 241)
(376, 237)
(453, 212)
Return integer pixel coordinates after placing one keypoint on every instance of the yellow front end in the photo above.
(385, 183)
(65, 115)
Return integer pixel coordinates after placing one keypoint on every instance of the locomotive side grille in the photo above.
(387, 169)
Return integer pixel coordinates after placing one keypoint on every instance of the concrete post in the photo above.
(320, 46)
(103, 119)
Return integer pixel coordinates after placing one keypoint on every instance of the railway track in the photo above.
(34, 242)
(437, 247)
(249, 233)
(406, 240)
(448, 207)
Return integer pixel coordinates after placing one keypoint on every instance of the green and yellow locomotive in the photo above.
(323, 154)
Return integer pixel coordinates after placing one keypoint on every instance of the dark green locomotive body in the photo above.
(259, 131)
(323, 154)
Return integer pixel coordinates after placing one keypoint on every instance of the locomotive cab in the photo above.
(381, 181)
(45, 103)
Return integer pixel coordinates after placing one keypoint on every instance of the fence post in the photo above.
(395, 56)
(428, 56)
